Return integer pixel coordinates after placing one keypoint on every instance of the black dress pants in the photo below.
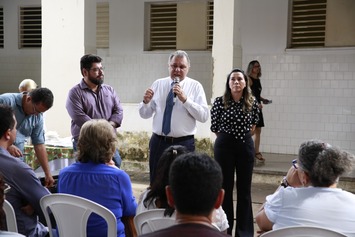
(237, 156)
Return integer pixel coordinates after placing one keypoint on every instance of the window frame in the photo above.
(30, 27)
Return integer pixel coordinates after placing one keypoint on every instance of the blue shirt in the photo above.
(83, 104)
(27, 125)
(106, 185)
(25, 189)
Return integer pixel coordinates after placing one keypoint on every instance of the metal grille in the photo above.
(1, 27)
(163, 26)
(209, 25)
(102, 25)
(308, 23)
(30, 30)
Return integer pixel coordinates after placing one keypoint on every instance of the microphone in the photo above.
(175, 81)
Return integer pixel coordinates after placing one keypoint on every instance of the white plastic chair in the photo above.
(303, 231)
(12, 234)
(8, 233)
(152, 220)
(71, 214)
(10, 216)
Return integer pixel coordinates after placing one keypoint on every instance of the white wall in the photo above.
(64, 41)
(17, 64)
(312, 91)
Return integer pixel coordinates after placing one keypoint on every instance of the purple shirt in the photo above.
(83, 104)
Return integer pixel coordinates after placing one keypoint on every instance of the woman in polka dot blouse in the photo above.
(233, 118)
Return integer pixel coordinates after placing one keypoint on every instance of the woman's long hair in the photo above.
(250, 68)
(247, 96)
(157, 188)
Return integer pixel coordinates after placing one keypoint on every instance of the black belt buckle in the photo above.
(169, 139)
(174, 139)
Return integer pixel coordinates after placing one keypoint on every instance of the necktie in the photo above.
(167, 112)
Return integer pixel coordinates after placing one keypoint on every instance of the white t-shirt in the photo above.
(333, 208)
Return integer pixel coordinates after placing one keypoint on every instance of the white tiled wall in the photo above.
(313, 95)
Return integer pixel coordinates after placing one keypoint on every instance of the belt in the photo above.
(174, 139)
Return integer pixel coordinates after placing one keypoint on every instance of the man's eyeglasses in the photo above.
(182, 67)
(35, 110)
(294, 163)
(97, 69)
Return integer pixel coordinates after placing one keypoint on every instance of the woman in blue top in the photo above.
(95, 177)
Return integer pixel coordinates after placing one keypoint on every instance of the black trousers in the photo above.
(158, 144)
(237, 156)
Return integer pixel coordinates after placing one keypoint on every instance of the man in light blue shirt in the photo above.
(29, 108)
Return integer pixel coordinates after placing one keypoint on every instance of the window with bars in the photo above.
(170, 26)
(322, 23)
(308, 23)
(163, 26)
(1, 27)
(209, 25)
(30, 28)
(102, 25)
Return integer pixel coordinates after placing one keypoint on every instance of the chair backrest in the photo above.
(303, 231)
(152, 220)
(10, 216)
(8, 233)
(71, 214)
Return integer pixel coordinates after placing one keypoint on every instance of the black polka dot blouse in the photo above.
(233, 120)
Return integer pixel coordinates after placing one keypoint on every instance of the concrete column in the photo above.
(227, 50)
(68, 32)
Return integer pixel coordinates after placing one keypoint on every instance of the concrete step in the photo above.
(271, 172)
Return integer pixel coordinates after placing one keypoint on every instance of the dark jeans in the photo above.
(157, 145)
(116, 157)
(237, 156)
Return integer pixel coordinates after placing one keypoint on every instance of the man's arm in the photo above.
(117, 111)
(14, 151)
(30, 188)
(197, 106)
(263, 222)
(42, 157)
(146, 107)
(75, 108)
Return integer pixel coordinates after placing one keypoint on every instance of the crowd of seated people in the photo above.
(195, 191)
(155, 196)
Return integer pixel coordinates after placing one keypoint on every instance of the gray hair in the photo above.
(324, 163)
(179, 54)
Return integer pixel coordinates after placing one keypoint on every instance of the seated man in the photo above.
(195, 190)
(26, 189)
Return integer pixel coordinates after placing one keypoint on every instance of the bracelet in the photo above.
(284, 182)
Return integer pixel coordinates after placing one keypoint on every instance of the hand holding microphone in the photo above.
(175, 82)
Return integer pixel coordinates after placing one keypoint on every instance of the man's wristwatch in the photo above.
(284, 182)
